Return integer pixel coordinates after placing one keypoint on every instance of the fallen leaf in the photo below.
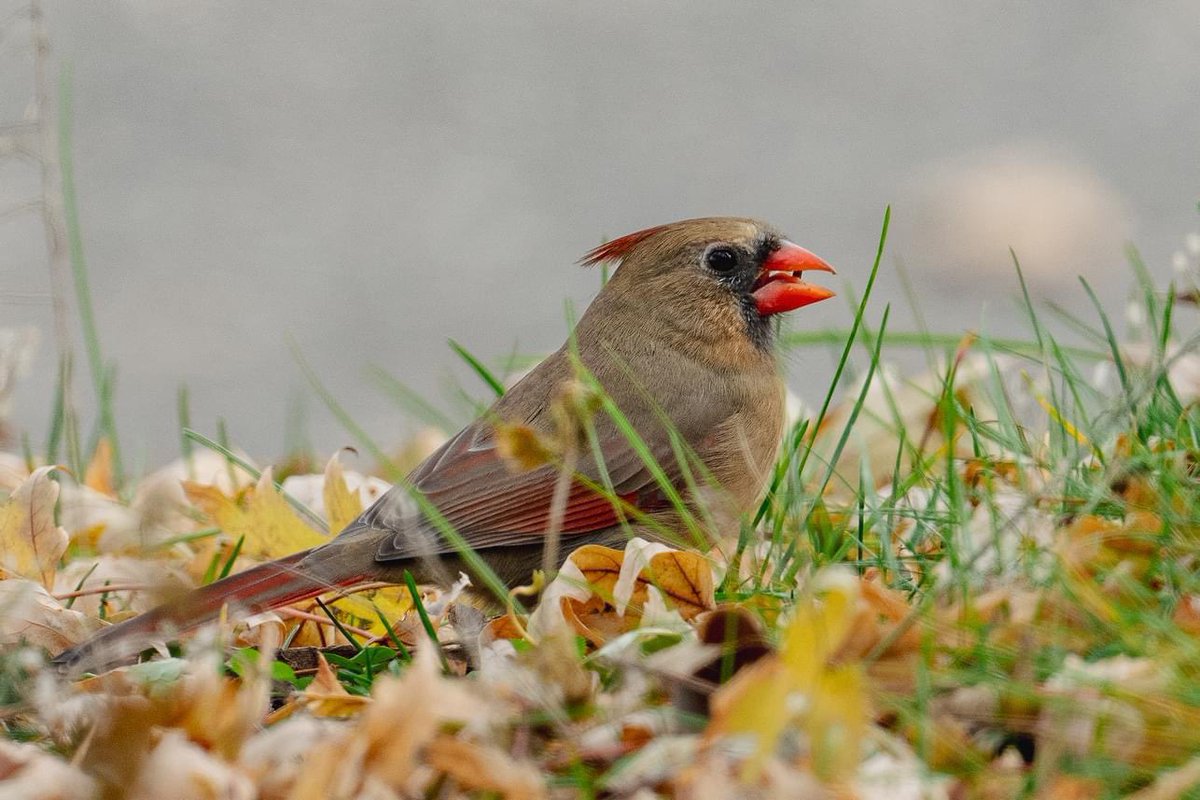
(182, 770)
(384, 747)
(486, 769)
(601, 567)
(326, 697)
(342, 506)
(29, 772)
(266, 524)
(685, 578)
(800, 683)
(99, 474)
(30, 543)
(601, 592)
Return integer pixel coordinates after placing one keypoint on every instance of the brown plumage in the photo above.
(681, 341)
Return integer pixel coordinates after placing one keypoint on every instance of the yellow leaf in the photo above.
(362, 609)
(837, 721)
(685, 578)
(266, 523)
(342, 506)
(30, 543)
(799, 684)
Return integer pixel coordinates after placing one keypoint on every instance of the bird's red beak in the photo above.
(779, 288)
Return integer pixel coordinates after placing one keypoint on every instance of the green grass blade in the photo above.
(485, 374)
(184, 411)
(409, 400)
(83, 293)
(1110, 335)
(426, 622)
(58, 415)
(391, 471)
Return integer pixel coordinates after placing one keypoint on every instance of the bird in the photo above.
(681, 340)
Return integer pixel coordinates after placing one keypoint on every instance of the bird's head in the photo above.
(714, 271)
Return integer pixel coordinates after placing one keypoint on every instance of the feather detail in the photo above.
(617, 249)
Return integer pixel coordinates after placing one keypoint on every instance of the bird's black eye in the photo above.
(721, 259)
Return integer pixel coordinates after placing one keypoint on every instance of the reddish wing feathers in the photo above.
(618, 248)
(491, 505)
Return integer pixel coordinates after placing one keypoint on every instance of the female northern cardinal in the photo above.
(680, 339)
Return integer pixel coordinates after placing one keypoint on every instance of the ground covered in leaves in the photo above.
(978, 583)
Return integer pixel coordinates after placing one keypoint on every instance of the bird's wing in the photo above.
(491, 504)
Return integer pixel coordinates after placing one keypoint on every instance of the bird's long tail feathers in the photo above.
(257, 589)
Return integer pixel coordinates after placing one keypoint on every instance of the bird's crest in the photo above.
(617, 249)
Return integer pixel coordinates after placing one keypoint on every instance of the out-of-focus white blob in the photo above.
(1059, 216)
(1192, 242)
(30, 772)
(1180, 263)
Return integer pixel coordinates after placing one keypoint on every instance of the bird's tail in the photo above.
(261, 588)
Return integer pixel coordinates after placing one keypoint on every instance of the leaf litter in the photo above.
(990, 593)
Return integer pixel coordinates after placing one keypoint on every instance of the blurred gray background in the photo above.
(373, 179)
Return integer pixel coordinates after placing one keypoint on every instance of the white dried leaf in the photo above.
(310, 489)
(156, 581)
(637, 557)
(30, 773)
(30, 615)
(83, 510)
(182, 770)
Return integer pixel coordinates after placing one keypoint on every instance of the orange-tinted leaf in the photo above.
(99, 475)
(601, 566)
(326, 697)
(685, 578)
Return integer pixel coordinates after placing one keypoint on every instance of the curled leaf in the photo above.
(31, 544)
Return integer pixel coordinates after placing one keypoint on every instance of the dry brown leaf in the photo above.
(342, 506)
(686, 580)
(601, 566)
(221, 713)
(326, 697)
(601, 592)
(593, 619)
(30, 543)
(384, 746)
(486, 769)
(502, 627)
(683, 577)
